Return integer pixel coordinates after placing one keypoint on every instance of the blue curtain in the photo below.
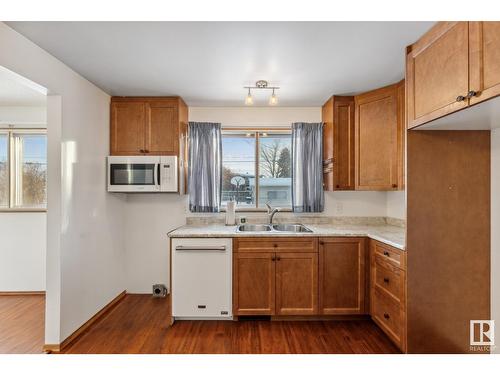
(205, 166)
(307, 167)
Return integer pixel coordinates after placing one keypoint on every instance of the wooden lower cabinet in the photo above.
(275, 276)
(388, 291)
(321, 276)
(254, 283)
(342, 275)
(296, 283)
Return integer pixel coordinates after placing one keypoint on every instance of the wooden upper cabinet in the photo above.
(342, 276)
(484, 42)
(338, 143)
(127, 128)
(438, 72)
(148, 125)
(378, 140)
(162, 128)
(454, 65)
(296, 283)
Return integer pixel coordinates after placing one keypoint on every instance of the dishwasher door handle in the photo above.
(202, 248)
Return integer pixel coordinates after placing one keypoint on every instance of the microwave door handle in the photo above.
(158, 171)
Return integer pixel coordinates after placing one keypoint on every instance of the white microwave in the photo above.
(142, 174)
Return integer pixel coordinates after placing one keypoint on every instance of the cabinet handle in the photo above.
(394, 185)
(275, 245)
(273, 258)
(278, 258)
(146, 151)
(386, 280)
(141, 150)
(461, 98)
(471, 93)
(386, 253)
(386, 316)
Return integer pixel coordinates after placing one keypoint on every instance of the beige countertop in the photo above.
(388, 234)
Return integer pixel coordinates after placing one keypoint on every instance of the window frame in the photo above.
(11, 161)
(256, 133)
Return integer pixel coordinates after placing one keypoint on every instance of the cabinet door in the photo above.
(296, 283)
(328, 148)
(127, 128)
(253, 284)
(437, 73)
(484, 60)
(377, 124)
(338, 143)
(343, 115)
(342, 276)
(162, 136)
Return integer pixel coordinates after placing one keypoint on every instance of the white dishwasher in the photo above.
(202, 278)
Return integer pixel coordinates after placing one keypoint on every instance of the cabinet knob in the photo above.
(394, 185)
(461, 98)
(471, 93)
(275, 245)
(146, 151)
(278, 258)
(321, 243)
(273, 258)
(337, 186)
(141, 150)
(386, 280)
(386, 316)
(386, 253)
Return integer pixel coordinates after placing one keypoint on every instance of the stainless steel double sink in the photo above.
(290, 228)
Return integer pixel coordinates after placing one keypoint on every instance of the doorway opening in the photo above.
(23, 213)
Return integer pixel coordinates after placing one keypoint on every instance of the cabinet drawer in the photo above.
(389, 254)
(268, 244)
(386, 312)
(389, 278)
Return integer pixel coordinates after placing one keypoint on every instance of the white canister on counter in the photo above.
(230, 212)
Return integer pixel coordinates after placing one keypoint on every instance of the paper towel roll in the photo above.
(230, 213)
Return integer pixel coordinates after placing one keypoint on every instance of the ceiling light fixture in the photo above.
(273, 100)
(261, 85)
(249, 99)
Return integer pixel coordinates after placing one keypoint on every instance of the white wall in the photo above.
(86, 219)
(22, 254)
(396, 205)
(149, 217)
(26, 115)
(495, 232)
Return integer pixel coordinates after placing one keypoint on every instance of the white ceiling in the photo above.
(207, 63)
(18, 92)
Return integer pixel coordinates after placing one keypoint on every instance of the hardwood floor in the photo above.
(22, 322)
(139, 325)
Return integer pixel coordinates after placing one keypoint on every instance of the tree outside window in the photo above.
(256, 168)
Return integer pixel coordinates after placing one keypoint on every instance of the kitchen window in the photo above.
(23, 170)
(256, 168)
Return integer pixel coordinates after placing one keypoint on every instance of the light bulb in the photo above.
(249, 99)
(274, 99)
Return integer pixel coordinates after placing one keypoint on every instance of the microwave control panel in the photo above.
(168, 174)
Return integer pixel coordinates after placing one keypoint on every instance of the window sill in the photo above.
(223, 209)
(17, 210)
